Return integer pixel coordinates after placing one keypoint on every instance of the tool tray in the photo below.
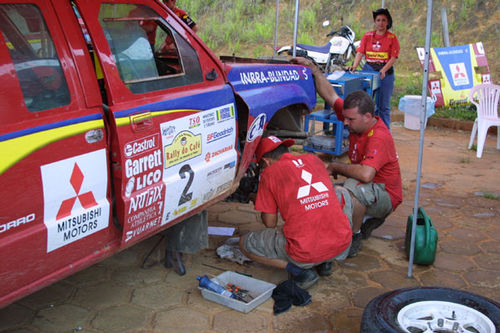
(259, 290)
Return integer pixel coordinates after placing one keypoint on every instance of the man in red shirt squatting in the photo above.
(317, 227)
(373, 174)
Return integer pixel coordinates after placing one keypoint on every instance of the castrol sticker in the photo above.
(142, 145)
(74, 196)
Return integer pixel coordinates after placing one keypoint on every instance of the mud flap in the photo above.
(189, 236)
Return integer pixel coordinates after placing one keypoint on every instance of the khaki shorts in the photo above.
(270, 242)
(371, 195)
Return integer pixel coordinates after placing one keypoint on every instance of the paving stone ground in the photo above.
(457, 192)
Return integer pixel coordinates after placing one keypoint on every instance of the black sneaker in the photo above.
(306, 279)
(324, 269)
(370, 225)
(355, 245)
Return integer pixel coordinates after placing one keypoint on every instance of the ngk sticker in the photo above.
(74, 193)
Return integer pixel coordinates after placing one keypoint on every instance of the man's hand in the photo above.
(332, 170)
(252, 197)
(305, 62)
(350, 68)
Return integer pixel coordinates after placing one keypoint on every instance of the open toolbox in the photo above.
(259, 291)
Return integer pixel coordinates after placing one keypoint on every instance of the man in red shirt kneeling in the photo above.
(373, 173)
(317, 217)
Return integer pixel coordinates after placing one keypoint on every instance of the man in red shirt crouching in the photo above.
(317, 227)
(373, 173)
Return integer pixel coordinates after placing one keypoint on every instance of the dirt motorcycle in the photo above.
(332, 56)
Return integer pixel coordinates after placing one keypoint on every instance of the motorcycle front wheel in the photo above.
(430, 309)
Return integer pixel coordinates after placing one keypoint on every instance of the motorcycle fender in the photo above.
(339, 45)
(284, 49)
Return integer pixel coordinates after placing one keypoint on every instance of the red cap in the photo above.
(270, 143)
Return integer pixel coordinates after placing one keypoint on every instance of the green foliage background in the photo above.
(246, 28)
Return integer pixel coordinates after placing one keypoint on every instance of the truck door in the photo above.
(55, 201)
(173, 115)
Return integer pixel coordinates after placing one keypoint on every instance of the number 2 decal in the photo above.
(185, 196)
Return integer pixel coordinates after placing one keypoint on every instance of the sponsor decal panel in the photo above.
(145, 210)
(185, 146)
(144, 187)
(75, 203)
(198, 160)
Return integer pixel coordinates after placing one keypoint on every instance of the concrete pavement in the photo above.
(458, 192)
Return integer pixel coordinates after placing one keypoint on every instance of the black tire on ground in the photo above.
(381, 313)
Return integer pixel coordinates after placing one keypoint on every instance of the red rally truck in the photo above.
(116, 123)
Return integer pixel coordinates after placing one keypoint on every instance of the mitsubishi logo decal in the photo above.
(75, 203)
(306, 189)
(86, 199)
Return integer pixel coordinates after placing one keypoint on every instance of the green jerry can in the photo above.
(425, 238)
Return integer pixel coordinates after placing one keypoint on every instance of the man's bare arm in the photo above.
(269, 220)
(323, 87)
(361, 172)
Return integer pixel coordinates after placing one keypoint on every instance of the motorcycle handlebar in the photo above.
(331, 33)
(342, 32)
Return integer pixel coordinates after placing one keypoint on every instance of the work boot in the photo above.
(355, 245)
(370, 225)
(325, 269)
(306, 279)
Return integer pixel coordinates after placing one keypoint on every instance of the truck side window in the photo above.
(148, 53)
(34, 57)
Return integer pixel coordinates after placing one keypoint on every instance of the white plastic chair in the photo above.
(485, 97)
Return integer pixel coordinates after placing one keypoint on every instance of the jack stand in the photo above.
(170, 261)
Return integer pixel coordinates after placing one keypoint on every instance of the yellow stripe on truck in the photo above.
(14, 150)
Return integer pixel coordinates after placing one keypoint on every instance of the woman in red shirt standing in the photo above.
(381, 50)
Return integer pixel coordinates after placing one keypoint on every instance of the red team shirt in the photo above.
(299, 187)
(379, 48)
(376, 148)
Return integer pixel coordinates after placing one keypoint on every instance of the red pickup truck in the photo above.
(116, 123)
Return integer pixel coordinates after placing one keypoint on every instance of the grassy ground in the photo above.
(246, 28)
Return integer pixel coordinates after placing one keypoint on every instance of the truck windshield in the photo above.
(148, 53)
